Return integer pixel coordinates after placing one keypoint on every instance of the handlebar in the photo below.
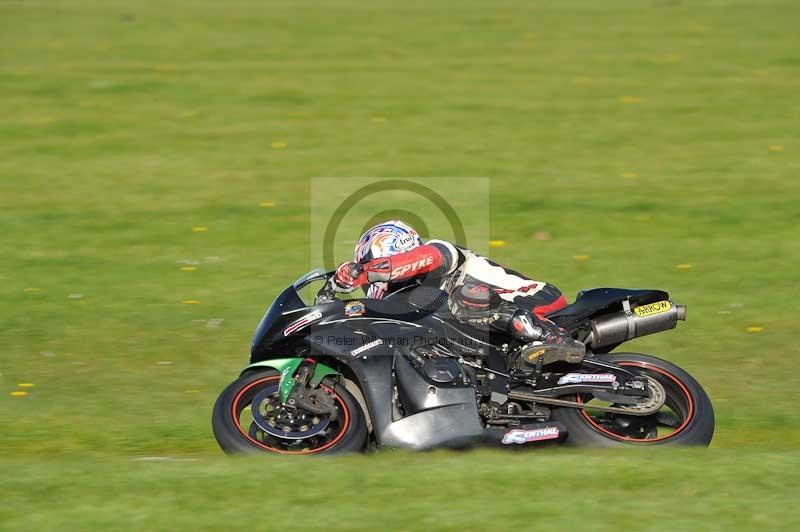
(326, 294)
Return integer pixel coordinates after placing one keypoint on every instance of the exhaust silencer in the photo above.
(635, 322)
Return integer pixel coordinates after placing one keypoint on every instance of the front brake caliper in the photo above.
(304, 394)
(300, 385)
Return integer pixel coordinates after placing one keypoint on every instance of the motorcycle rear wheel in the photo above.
(687, 417)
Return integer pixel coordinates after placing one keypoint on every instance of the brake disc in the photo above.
(287, 425)
(654, 401)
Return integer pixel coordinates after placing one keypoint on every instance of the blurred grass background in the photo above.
(656, 141)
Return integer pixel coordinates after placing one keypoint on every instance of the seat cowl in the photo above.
(592, 301)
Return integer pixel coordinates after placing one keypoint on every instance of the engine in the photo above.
(442, 370)
(441, 366)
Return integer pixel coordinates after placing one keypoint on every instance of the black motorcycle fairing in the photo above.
(444, 414)
(455, 425)
(437, 415)
(392, 309)
(273, 331)
(418, 392)
(288, 302)
(272, 335)
(348, 340)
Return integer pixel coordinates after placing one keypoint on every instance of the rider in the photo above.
(480, 292)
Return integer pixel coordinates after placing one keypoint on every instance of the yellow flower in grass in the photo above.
(267, 204)
(199, 229)
(18, 393)
(188, 268)
(497, 243)
(683, 266)
(754, 329)
(279, 145)
(581, 258)
(26, 385)
(190, 302)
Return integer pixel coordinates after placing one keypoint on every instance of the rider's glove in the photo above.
(349, 276)
(524, 327)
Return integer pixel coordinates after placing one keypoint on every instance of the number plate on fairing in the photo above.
(653, 308)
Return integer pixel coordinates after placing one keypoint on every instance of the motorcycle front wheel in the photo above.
(249, 417)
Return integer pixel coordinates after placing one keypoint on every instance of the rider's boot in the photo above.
(544, 340)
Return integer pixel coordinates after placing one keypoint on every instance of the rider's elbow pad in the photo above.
(451, 257)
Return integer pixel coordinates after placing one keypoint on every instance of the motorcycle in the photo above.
(339, 376)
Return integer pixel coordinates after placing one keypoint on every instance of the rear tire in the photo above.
(234, 438)
(696, 426)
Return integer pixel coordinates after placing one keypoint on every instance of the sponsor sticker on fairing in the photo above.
(366, 347)
(302, 322)
(576, 378)
(354, 308)
(519, 436)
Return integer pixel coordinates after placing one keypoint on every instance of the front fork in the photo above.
(288, 368)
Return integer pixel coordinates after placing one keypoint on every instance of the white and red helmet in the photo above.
(384, 240)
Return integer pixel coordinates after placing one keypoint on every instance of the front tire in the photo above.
(236, 431)
(687, 419)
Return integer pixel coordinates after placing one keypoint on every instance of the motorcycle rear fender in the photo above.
(287, 368)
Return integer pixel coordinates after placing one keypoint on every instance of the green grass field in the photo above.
(640, 134)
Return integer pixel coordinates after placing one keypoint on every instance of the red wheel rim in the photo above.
(687, 419)
(235, 412)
